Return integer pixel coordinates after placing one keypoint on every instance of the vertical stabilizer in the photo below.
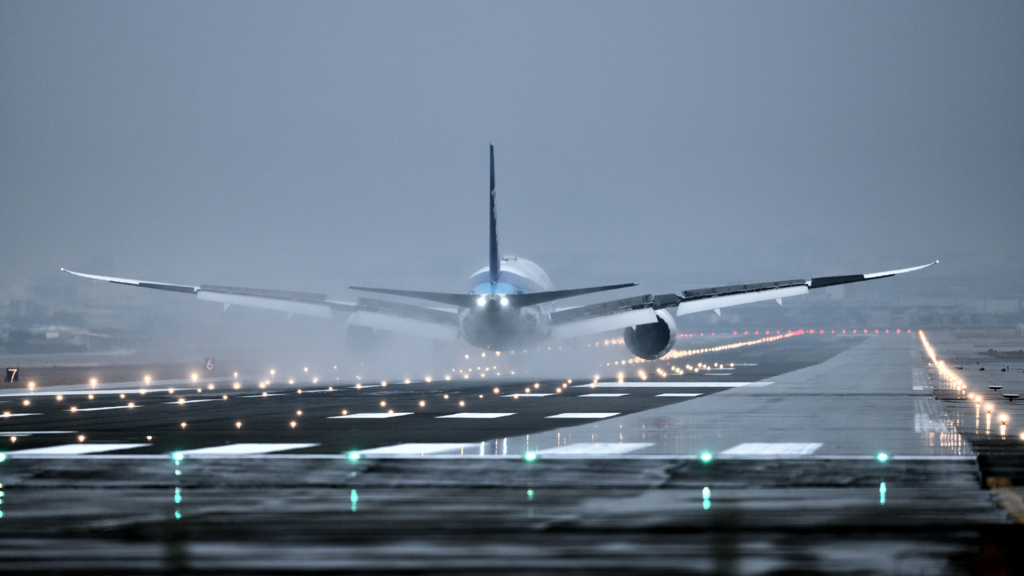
(495, 264)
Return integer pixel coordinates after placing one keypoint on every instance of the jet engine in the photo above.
(654, 340)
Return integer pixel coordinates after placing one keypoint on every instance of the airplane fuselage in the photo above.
(493, 323)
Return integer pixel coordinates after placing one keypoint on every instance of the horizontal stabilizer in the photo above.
(470, 300)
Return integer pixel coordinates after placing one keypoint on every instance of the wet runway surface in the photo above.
(740, 472)
(332, 419)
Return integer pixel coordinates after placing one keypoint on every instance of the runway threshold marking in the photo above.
(372, 415)
(595, 449)
(773, 449)
(606, 395)
(584, 415)
(478, 415)
(680, 394)
(75, 449)
(245, 449)
(412, 449)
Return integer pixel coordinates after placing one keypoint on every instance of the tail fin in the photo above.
(495, 260)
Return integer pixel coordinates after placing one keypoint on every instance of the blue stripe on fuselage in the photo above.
(508, 283)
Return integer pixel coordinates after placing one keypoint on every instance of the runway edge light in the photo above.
(706, 457)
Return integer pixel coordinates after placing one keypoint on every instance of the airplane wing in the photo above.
(690, 301)
(394, 317)
(581, 321)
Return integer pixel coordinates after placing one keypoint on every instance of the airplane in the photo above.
(509, 304)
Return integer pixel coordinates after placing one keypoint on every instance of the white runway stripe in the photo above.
(669, 384)
(97, 392)
(773, 449)
(412, 449)
(595, 449)
(680, 394)
(478, 415)
(10, 415)
(243, 449)
(528, 394)
(608, 395)
(192, 401)
(584, 415)
(75, 449)
(261, 396)
(373, 415)
(36, 432)
(103, 408)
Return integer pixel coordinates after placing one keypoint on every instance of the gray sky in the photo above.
(311, 146)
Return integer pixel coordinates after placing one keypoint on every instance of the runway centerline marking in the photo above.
(680, 394)
(595, 449)
(478, 415)
(584, 415)
(244, 449)
(23, 414)
(607, 395)
(773, 449)
(191, 401)
(373, 415)
(74, 449)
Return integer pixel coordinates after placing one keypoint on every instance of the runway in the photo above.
(816, 453)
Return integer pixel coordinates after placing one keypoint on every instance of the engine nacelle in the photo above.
(654, 340)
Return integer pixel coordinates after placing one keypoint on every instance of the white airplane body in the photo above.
(509, 305)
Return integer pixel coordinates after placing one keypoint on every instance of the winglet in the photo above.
(495, 262)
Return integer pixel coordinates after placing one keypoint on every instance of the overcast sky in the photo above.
(311, 146)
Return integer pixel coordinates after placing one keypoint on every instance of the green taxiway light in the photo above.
(178, 456)
(353, 456)
(530, 456)
(882, 456)
(3, 456)
(705, 457)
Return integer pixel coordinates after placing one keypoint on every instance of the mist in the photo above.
(314, 146)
